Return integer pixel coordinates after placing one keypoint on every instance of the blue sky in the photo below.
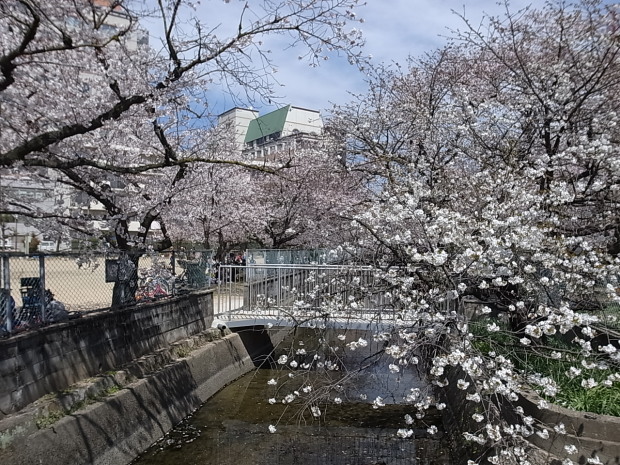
(393, 30)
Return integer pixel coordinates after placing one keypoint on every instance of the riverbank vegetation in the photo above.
(591, 388)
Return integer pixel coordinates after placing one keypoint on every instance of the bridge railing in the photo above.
(302, 291)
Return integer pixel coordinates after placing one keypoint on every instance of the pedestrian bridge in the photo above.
(305, 295)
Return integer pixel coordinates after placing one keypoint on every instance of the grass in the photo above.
(537, 360)
(601, 399)
(610, 317)
(48, 420)
(109, 391)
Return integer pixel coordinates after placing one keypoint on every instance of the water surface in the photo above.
(233, 428)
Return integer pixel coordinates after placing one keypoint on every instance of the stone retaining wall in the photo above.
(593, 435)
(49, 359)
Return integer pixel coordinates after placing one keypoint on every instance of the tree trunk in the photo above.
(126, 284)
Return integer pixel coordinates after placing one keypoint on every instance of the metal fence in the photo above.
(342, 292)
(292, 256)
(28, 283)
(86, 282)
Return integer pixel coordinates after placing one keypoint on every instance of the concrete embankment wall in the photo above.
(50, 359)
(116, 429)
(102, 388)
(594, 436)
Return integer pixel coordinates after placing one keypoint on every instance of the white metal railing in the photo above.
(302, 292)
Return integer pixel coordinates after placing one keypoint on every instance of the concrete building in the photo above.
(262, 138)
(42, 196)
(238, 120)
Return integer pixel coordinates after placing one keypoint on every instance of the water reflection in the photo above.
(233, 428)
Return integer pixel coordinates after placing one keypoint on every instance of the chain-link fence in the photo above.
(43, 288)
(38, 289)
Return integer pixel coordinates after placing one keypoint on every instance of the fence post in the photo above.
(279, 298)
(8, 308)
(42, 289)
(248, 300)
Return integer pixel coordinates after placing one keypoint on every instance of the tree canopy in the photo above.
(86, 103)
(494, 227)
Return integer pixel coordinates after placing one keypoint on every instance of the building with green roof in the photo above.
(284, 129)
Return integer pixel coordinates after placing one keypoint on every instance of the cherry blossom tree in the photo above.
(304, 198)
(495, 167)
(310, 203)
(86, 104)
(217, 208)
(85, 60)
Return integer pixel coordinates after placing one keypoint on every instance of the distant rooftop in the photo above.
(282, 122)
(267, 124)
(230, 110)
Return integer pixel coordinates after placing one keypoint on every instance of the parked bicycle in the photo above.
(154, 284)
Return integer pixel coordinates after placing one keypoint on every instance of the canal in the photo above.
(288, 417)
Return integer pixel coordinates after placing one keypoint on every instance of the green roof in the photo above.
(267, 124)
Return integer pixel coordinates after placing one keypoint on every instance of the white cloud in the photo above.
(393, 29)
